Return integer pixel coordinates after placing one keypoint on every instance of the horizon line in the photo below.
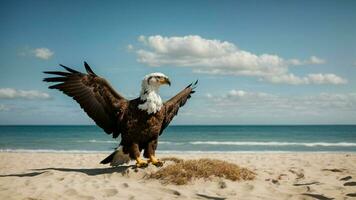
(189, 125)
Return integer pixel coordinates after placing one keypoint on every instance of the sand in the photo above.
(80, 176)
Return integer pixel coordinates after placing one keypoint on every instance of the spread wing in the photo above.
(172, 105)
(95, 96)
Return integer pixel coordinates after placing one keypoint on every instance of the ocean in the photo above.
(185, 139)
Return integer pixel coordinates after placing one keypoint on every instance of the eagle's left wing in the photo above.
(172, 106)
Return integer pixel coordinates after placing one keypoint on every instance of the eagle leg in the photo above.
(141, 163)
(155, 161)
(150, 153)
(134, 152)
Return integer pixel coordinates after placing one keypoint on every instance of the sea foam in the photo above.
(311, 144)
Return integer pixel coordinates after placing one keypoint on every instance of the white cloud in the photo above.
(313, 60)
(244, 94)
(43, 53)
(130, 47)
(224, 58)
(325, 78)
(295, 62)
(309, 79)
(265, 102)
(316, 60)
(10, 93)
(4, 108)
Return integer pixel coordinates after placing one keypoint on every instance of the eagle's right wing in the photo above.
(95, 96)
(172, 105)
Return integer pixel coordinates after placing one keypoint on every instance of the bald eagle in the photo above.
(139, 121)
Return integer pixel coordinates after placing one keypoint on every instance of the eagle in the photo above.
(139, 121)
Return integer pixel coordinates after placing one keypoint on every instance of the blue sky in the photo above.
(258, 62)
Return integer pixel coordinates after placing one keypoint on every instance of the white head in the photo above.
(152, 102)
(153, 81)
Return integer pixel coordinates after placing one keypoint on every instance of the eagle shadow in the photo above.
(31, 174)
(87, 171)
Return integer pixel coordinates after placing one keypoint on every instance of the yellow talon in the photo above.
(155, 161)
(141, 163)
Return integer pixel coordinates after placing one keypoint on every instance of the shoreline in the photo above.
(171, 152)
(80, 176)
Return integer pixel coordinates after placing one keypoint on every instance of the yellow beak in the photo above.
(165, 81)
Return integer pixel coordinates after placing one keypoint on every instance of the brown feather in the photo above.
(116, 115)
(172, 106)
(81, 87)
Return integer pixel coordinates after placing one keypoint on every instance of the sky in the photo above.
(257, 62)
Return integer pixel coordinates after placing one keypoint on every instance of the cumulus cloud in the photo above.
(10, 93)
(225, 58)
(244, 94)
(313, 60)
(130, 47)
(309, 79)
(4, 108)
(316, 60)
(241, 99)
(40, 53)
(43, 53)
(325, 78)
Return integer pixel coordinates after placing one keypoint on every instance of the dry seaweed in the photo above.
(183, 171)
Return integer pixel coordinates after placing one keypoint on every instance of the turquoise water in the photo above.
(178, 139)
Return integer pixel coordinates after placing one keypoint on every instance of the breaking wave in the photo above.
(50, 151)
(158, 151)
(116, 142)
(311, 144)
(239, 143)
(98, 141)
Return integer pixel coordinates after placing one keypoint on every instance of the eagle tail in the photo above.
(118, 157)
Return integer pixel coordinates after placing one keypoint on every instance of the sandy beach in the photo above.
(80, 176)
